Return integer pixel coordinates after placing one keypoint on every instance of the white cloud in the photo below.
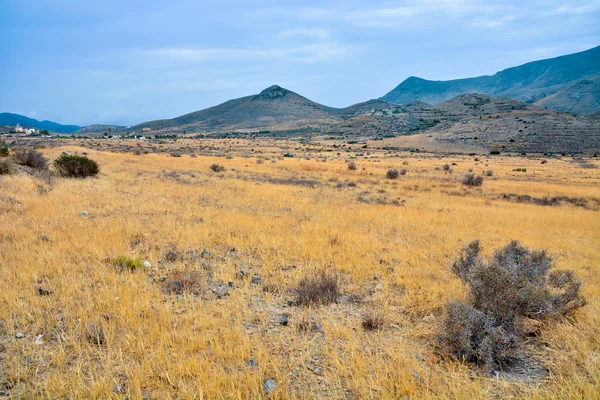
(307, 53)
(313, 33)
(573, 9)
(493, 22)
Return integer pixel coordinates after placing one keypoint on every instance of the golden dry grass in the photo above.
(261, 218)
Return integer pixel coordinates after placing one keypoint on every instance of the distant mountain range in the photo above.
(568, 83)
(14, 119)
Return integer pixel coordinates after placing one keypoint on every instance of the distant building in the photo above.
(18, 129)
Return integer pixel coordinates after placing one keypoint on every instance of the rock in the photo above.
(269, 386)
(251, 362)
(38, 340)
(283, 321)
(147, 264)
(206, 254)
(43, 238)
(256, 280)
(4, 394)
(118, 389)
(379, 286)
(85, 213)
(316, 327)
(231, 284)
(291, 303)
(44, 291)
(19, 335)
(180, 310)
(241, 274)
(248, 325)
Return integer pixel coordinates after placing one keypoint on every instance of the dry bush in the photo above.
(4, 151)
(472, 180)
(489, 172)
(217, 168)
(352, 166)
(31, 158)
(392, 174)
(372, 321)
(6, 167)
(180, 282)
(513, 284)
(318, 289)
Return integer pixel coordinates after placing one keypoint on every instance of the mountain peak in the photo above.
(272, 92)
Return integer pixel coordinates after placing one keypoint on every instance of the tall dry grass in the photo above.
(265, 220)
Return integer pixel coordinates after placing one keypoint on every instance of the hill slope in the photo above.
(273, 106)
(14, 119)
(530, 82)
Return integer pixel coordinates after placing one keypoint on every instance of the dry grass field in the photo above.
(75, 325)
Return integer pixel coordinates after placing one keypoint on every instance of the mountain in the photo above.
(532, 83)
(25, 122)
(274, 106)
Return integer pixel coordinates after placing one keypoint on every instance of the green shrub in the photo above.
(4, 151)
(76, 166)
(124, 263)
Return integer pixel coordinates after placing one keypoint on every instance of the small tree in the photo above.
(72, 166)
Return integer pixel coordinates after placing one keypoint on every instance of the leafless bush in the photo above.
(217, 168)
(6, 167)
(472, 180)
(352, 166)
(489, 172)
(513, 284)
(372, 321)
(180, 282)
(392, 174)
(31, 158)
(319, 289)
(403, 172)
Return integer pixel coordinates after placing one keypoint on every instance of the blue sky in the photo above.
(128, 61)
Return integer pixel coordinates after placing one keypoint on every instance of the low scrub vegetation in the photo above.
(319, 289)
(217, 168)
(6, 167)
(515, 283)
(4, 151)
(124, 263)
(472, 180)
(392, 174)
(31, 158)
(73, 166)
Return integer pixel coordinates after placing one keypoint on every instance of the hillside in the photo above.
(531, 82)
(273, 106)
(14, 119)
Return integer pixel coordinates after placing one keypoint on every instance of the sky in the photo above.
(127, 61)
